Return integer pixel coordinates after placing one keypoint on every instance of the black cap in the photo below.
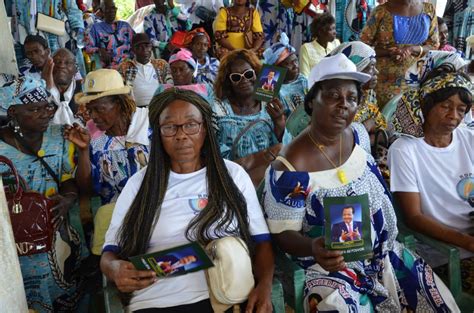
(139, 39)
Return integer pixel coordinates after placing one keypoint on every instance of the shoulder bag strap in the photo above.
(286, 163)
(43, 162)
(244, 131)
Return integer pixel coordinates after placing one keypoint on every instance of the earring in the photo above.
(16, 127)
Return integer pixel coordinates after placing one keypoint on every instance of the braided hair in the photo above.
(226, 203)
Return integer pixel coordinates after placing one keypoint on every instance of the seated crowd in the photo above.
(163, 142)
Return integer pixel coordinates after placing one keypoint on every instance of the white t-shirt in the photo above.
(444, 177)
(185, 197)
(145, 84)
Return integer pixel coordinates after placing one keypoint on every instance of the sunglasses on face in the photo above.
(237, 77)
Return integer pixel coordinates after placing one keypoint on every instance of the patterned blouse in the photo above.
(207, 72)
(116, 38)
(257, 138)
(128, 70)
(161, 27)
(59, 154)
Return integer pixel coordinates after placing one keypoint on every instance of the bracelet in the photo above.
(421, 52)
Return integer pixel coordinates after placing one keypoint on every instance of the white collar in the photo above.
(138, 129)
(64, 113)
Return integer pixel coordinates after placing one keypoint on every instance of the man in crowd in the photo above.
(143, 73)
(111, 39)
(37, 53)
(59, 73)
(162, 22)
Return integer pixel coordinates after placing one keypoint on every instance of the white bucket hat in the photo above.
(101, 83)
(336, 67)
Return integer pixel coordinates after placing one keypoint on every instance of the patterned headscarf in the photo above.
(23, 90)
(408, 119)
(433, 59)
(278, 52)
(188, 40)
(186, 56)
(358, 52)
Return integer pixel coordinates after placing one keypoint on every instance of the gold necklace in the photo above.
(340, 172)
(40, 152)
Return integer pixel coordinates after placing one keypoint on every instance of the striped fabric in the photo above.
(413, 30)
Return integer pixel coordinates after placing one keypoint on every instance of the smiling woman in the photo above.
(250, 131)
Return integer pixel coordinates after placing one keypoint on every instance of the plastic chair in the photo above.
(454, 281)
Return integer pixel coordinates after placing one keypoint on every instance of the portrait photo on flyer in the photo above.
(268, 83)
(347, 226)
(175, 261)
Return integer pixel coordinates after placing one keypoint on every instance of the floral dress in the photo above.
(369, 109)
(393, 280)
(384, 30)
(50, 280)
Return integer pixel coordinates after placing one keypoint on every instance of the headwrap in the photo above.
(278, 52)
(23, 90)
(358, 52)
(408, 119)
(188, 40)
(433, 59)
(186, 56)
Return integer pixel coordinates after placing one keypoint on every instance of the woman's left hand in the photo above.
(260, 299)
(61, 207)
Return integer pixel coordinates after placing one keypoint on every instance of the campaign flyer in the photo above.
(176, 261)
(348, 226)
(268, 83)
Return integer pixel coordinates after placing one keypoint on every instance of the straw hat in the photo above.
(101, 83)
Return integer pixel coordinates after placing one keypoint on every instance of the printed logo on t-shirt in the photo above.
(199, 203)
(465, 188)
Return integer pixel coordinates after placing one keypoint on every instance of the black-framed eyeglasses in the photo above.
(190, 128)
(237, 77)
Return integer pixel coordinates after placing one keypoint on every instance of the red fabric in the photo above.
(81, 5)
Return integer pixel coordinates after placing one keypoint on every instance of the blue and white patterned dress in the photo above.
(393, 280)
(161, 27)
(257, 138)
(206, 73)
(293, 93)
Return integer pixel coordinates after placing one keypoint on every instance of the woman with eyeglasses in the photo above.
(170, 203)
(250, 131)
(50, 278)
(114, 146)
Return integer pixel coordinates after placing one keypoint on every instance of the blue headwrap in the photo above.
(23, 90)
(272, 54)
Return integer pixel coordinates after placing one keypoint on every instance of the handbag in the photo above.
(248, 35)
(231, 278)
(50, 24)
(206, 15)
(30, 215)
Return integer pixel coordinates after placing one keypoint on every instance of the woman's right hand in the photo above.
(330, 260)
(129, 279)
(77, 135)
